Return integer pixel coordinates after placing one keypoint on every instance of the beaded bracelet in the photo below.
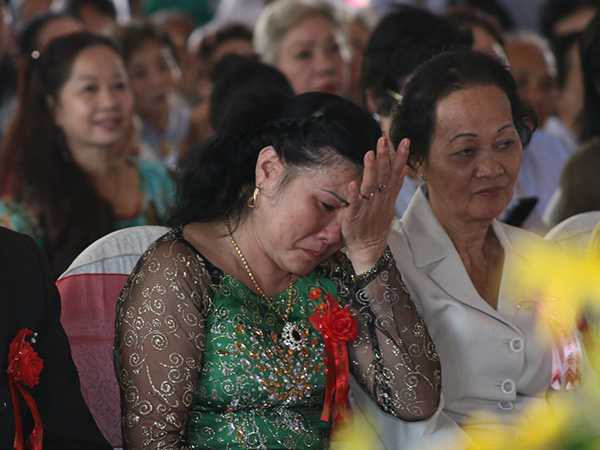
(365, 278)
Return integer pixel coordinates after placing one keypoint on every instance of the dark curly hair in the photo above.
(307, 130)
(449, 72)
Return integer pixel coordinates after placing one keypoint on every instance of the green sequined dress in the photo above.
(202, 363)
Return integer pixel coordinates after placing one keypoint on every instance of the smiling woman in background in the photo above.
(151, 61)
(66, 178)
(304, 40)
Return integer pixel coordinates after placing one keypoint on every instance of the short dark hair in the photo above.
(552, 11)
(404, 39)
(106, 7)
(415, 116)
(234, 77)
(308, 130)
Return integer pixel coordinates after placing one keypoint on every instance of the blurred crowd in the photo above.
(91, 139)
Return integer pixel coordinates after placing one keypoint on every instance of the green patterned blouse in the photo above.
(203, 362)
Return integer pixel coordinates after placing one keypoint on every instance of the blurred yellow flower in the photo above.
(562, 280)
(354, 433)
(539, 428)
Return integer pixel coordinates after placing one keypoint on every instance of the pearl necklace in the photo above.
(291, 333)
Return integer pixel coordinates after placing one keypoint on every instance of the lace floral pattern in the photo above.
(394, 357)
(160, 332)
(177, 312)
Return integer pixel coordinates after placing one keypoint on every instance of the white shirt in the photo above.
(555, 127)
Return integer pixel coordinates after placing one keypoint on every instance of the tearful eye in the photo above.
(328, 207)
(465, 152)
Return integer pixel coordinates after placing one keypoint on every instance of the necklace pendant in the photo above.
(292, 336)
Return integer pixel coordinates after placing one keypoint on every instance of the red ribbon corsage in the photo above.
(338, 327)
(24, 368)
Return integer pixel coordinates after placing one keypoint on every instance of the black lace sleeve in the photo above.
(159, 343)
(393, 358)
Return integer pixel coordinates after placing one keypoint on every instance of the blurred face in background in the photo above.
(154, 74)
(535, 77)
(178, 27)
(310, 56)
(94, 106)
(357, 34)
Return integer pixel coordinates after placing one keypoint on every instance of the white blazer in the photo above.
(492, 360)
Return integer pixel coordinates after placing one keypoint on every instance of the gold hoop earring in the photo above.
(252, 200)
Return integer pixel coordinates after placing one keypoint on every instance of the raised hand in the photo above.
(367, 220)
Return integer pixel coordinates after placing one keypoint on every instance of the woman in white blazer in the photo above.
(467, 128)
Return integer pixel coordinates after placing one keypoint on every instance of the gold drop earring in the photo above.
(252, 200)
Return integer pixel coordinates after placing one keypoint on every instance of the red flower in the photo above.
(24, 364)
(336, 323)
(24, 368)
(337, 326)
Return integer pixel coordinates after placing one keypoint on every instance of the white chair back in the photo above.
(575, 231)
(89, 290)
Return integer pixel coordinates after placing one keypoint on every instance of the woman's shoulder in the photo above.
(173, 253)
(172, 245)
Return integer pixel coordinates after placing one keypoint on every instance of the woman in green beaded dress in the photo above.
(239, 328)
